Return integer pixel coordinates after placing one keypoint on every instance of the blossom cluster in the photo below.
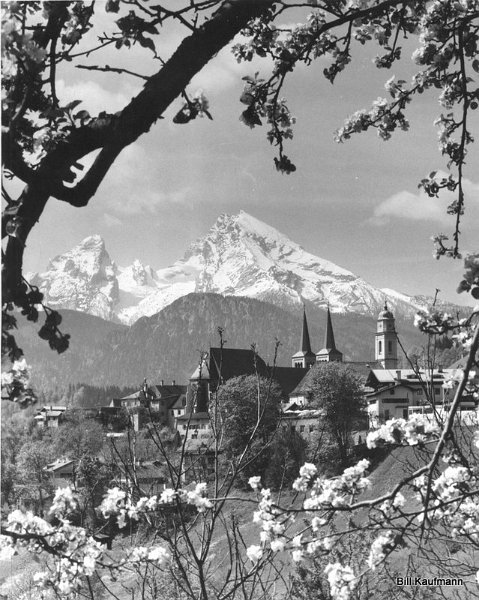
(64, 502)
(453, 500)
(19, 50)
(435, 321)
(332, 492)
(384, 116)
(17, 375)
(157, 555)
(272, 525)
(116, 502)
(342, 580)
(323, 494)
(380, 548)
(388, 507)
(417, 429)
(77, 552)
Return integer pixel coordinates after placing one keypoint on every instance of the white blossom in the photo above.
(254, 553)
(341, 580)
(277, 545)
(159, 555)
(378, 549)
(63, 502)
(254, 482)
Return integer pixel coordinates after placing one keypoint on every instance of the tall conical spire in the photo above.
(304, 357)
(305, 341)
(329, 343)
(329, 353)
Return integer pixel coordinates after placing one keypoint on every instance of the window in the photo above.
(386, 414)
(437, 391)
(390, 347)
(404, 413)
(392, 392)
(419, 392)
(301, 428)
(311, 428)
(380, 346)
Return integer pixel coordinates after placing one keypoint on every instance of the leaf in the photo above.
(82, 114)
(147, 43)
(475, 65)
(73, 104)
(112, 6)
(250, 117)
(247, 98)
(149, 28)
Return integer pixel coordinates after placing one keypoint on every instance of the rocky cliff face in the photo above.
(82, 279)
(240, 256)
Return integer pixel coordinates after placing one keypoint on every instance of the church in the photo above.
(391, 391)
(221, 364)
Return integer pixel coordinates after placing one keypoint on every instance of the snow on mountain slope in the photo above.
(239, 256)
(82, 279)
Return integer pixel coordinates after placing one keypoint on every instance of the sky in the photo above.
(356, 204)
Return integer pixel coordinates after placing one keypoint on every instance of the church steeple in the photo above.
(386, 339)
(329, 353)
(329, 343)
(304, 358)
(305, 342)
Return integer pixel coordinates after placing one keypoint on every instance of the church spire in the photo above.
(329, 353)
(305, 341)
(329, 343)
(304, 358)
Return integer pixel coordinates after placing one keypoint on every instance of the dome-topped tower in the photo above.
(386, 339)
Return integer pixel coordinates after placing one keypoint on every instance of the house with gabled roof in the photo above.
(61, 472)
(50, 416)
(160, 402)
(401, 392)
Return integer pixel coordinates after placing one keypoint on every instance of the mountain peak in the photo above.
(82, 278)
(239, 256)
(92, 240)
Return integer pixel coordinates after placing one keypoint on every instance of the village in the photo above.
(390, 392)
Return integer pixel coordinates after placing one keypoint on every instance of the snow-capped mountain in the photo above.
(84, 279)
(240, 256)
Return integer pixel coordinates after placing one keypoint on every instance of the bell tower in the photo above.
(386, 350)
(304, 358)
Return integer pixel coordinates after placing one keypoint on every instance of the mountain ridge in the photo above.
(239, 256)
(167, 345)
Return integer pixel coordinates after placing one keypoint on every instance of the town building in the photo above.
(159, 403)
(398, 393)
(61, 472)
(50, 416)
(389, 390)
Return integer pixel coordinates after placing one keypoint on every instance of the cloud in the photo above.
(95, 98)
(112, 221)
(224, 71)
(420, 207)
(151, 202)
(130, 189)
